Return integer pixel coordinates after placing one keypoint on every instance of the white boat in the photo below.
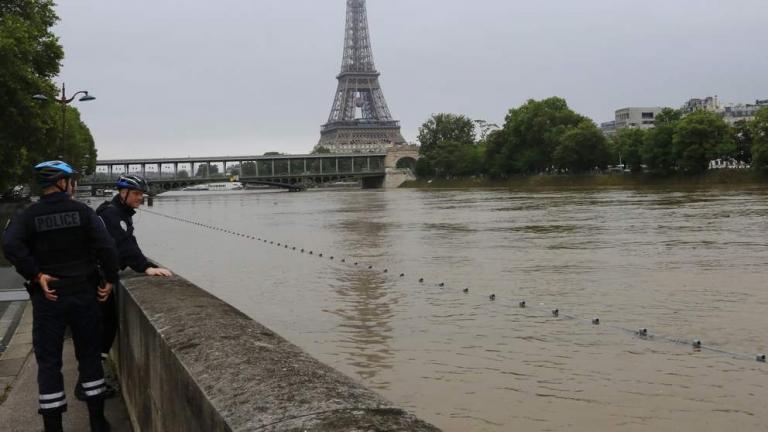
(196, 188)
(215, 187)
(230, 186)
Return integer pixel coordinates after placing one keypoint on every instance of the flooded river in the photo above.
(683, 265)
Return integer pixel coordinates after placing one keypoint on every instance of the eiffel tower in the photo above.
(360, 120)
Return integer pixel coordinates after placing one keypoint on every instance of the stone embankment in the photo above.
(190, 362)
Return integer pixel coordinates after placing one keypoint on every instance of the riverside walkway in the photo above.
(18, 388)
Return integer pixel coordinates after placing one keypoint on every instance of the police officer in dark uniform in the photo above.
(58, 245)
(118, 218)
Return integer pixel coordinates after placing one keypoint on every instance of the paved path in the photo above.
(18, 388)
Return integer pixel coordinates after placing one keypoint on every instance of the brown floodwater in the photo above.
(685, 265)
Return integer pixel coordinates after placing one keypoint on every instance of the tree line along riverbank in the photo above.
(548, 137)
(716, 179)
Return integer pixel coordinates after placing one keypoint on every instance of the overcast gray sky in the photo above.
(242, 77)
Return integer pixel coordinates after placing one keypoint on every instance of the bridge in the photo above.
(292, 172)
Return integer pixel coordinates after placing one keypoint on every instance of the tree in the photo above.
(272, 153)
(448, 147)
(742, 137)
(30, 56)
(657, 150)
(452, 158)
(533, 132)
(445, 127)
(495, 157)
(321, 150)
(183, 174)
(581, 149)
(484, 129)
(759, 129)
(628, 145)
(699, 138)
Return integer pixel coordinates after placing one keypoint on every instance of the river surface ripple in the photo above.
(683, 264)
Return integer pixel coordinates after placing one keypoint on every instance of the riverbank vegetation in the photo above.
(31, 130)
(546, 137)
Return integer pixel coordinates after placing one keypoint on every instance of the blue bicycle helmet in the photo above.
(132, 182)
(50, 172)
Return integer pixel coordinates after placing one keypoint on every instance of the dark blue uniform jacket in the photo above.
(60, 237)
(119, 221)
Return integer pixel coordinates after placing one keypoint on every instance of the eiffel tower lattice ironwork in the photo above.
(360, 119)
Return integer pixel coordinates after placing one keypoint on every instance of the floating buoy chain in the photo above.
(642, 333)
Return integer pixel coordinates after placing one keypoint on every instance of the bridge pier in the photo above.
(373, 182)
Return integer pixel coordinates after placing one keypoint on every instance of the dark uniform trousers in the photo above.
(77, 308)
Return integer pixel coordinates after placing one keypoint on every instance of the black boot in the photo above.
(52, 422)
(96, 416)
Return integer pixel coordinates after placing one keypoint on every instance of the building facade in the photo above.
(631, 118)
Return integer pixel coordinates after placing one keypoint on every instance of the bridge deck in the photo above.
(155, 161)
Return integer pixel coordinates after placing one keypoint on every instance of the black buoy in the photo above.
(386, 271)
(302, 251)
(331, 258)
(402, 274)
(370, 267)
(697, 344)
(441, 284)
(311, 253)
(643, 332)
(555, 312)
(421, 280)
(294, 248)
(761, 358)
(522, 304)
(356, 263)
(320, 255)
(492, 297)
(465, 290)
(596, 321)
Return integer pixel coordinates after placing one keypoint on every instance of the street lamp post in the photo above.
(64, 101)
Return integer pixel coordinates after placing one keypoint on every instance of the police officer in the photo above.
(57, 244)
(118, 218)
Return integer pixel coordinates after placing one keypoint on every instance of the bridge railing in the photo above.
(279, 171)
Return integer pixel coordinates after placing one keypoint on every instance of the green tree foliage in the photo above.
(627, 146)
(742, 138)
(759, 130)
(699, 138)
(448, 146)
(657, 151)
(31, 131)
(321, 150)
(581, 149)
(533, 132)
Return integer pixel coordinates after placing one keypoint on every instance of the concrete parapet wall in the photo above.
(189, 362)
